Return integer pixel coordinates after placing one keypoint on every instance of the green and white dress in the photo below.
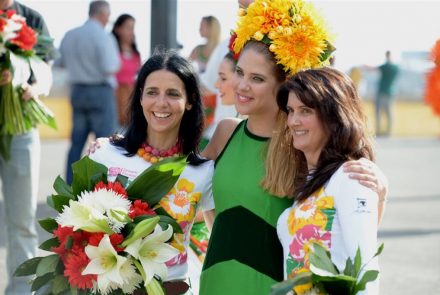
(244, 254)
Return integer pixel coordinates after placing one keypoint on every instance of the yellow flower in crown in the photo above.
(293, 30)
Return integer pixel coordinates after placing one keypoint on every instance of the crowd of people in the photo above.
(293, 162)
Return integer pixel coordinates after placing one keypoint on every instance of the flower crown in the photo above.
(293, 30)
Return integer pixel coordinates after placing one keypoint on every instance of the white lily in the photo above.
(106, 263)
(83, 217)
(132, 279)
(153, 252)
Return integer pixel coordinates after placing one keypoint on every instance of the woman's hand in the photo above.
(5, 77)
(93, 146)
(369, 175)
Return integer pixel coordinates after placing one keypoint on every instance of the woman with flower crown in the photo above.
(165, 120)
(275, 40)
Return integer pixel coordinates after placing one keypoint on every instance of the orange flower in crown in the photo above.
(293, 30)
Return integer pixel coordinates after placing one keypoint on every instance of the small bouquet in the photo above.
(108, 237)
(324, 278)
(17, 54)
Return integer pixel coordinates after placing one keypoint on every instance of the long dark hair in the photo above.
(191, 126)
(118, 23)
(333, 96)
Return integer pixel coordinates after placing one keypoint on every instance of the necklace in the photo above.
(153, 155)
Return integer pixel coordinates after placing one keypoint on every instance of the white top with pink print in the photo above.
(192, 189)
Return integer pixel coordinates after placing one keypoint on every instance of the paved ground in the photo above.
(411, 228)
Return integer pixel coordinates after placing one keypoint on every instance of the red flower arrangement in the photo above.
(107, 234)
(17, 55)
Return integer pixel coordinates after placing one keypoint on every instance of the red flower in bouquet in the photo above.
(73, 271)
(140, 208)
(26, 38)
(113, 186)
(17, 116)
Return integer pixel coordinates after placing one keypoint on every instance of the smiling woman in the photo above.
(165, 120)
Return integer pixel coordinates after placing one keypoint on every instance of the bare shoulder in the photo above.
(222, 133)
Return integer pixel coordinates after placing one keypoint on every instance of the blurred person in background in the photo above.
(386, 90)
(123, 30)
(210, 30)
(91, 58)
(20, 174)
(225, 80)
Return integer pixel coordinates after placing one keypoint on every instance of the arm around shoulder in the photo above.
(221, 135)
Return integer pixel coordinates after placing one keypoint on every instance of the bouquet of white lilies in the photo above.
(108, 238)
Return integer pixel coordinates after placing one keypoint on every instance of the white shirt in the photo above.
(341, 216)
(192, 189)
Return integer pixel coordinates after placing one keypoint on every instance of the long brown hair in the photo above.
(333, 96)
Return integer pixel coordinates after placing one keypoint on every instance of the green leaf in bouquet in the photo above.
(123, 180)
(320, 258)
(48, 244)
(69, 243)
(163, 222)
(349, 268)
(48, 224)
(41, 281)
(85, 174)
(379, 250)
(48, 264)
(27, 268)
(285, 286)
(60, 284)
(369, 276)
(335, 285)
(156, 181)
(142, 229)
(62, 188)
(160, 211)
(357, 262)
(58, 202)
(166, 220)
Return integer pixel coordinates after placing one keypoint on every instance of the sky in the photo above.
(363, 30)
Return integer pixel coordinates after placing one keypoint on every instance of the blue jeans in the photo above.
(19, 178)
(94, 111)
(383, 104)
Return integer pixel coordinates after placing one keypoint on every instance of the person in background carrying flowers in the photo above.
(20, 174)
(166, 120)
(275, 40)
(325, 128)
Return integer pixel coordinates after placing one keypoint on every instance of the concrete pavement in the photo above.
(410, 263)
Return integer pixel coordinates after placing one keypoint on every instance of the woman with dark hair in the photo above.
(166, 120)
(123, 30)
(326, 128)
